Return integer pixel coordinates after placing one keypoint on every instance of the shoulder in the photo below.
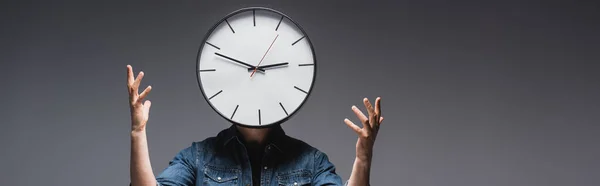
(209, 144)
(192, 152)
(298, 148)
(204, 145)
(307, 157)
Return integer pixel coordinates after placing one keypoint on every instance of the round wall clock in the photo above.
(256, 67)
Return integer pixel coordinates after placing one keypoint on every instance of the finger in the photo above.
(129, 75)
(378, 106)
(368, 105)
(144, 93)
(138, 80)
(352, 126)
(380, 120)
(371, 112)
(146, 106)
(363, 119)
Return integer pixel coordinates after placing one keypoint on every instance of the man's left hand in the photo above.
(368, 133)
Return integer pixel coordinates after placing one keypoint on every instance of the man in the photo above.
(247, 156)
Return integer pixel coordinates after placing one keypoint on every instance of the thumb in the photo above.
(146, 106)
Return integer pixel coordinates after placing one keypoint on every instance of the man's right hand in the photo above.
(140, 169)
(139, 111)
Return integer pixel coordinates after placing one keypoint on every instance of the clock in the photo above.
(256, 67)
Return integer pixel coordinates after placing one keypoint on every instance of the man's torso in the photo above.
(223, 160)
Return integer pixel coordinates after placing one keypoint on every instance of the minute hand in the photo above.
(238, 61)
(269, 66)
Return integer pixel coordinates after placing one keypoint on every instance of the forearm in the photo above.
(140, 169)
(360, 173)
(366, 139)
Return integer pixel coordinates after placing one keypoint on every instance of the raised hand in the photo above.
(368, 133)
(139, 111)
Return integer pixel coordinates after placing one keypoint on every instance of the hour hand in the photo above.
(239, 62)
(270, 66)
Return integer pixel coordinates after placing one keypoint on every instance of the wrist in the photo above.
(362, 162)
(138, 126)
(364, 156)
(138, 132)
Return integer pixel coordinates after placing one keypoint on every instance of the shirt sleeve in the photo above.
(181, 170)
(325, 171)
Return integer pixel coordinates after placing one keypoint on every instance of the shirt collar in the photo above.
(276, 137)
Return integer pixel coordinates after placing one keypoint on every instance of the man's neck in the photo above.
(255, 140)
(254, 136)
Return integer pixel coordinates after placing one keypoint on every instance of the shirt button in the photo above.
(269, 147)
(265, 167)
(295, 183)
(219, 178)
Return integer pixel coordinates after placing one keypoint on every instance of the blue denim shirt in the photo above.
(223, 160)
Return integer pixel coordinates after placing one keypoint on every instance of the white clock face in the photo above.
(228, 61)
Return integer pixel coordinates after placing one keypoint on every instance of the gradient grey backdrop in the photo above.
(474, 93)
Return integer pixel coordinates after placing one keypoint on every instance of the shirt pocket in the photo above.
(295, 178)
(214, 176)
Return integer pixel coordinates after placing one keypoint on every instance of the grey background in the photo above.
(474, 92)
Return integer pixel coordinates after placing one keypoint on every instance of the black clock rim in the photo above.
(210, 31)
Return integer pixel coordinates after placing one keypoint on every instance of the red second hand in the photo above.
(264, 56)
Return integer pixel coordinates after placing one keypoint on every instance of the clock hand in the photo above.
(270, 66)
(265, 55)
(238, 61)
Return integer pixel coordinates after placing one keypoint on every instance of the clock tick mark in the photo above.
(302, 65)
(213, 45)
(298, 40)
(259, 122)
(254, 17)
(286, 113)
(301, 89)
(207, 70)
(215, 94)
(236, 107)
(281, 19)
(229, 26)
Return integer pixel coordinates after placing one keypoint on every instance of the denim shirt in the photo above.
(223, 160)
